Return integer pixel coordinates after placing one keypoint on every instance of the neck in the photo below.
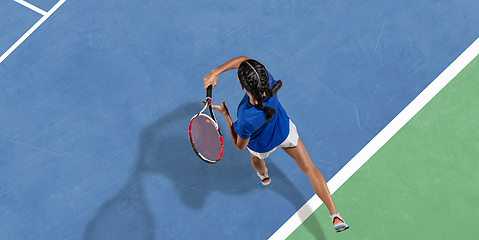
(251, 99)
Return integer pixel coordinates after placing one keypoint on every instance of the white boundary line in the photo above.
(31, 6)
(379, 140)
(31, 30)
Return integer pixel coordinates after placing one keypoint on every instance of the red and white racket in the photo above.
(205, 135)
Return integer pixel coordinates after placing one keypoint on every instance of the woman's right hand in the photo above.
(210, 79)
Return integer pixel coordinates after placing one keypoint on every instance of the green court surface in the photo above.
(423, 183)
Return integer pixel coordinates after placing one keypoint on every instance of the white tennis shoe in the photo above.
(265, 180)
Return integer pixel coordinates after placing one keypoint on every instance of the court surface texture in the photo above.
(96, 96)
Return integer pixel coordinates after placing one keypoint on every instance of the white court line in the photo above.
(379, 140)
(31, 30)
(32, 7)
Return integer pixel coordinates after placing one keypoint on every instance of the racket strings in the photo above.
(206, 138)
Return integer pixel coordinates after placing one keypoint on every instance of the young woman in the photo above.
(263, 126)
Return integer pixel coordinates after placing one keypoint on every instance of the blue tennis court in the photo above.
(95, 105)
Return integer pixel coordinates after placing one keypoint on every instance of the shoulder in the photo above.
(243, 128)
(251, 115)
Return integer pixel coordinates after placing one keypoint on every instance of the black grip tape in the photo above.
(209, 92)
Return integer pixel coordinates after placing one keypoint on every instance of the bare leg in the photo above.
(302, 159)
(258, 164)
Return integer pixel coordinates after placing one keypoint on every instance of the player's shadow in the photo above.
(164, 149)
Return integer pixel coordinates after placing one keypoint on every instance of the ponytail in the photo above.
(268, 111)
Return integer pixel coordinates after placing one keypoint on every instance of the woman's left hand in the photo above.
(222, 109)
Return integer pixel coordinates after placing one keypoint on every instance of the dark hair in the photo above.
(254, 78)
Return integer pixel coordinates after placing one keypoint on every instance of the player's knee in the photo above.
(310, 171)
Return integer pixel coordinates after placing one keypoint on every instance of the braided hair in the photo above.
(254, 78)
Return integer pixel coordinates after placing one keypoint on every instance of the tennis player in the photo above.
(262, 126)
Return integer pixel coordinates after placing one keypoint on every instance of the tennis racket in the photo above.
(205, 135)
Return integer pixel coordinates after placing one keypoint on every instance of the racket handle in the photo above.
(209, 92)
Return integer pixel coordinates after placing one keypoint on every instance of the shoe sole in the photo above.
(267, 183)
(342, 228)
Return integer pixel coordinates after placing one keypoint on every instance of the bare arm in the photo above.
(212, 77)
(237, 140)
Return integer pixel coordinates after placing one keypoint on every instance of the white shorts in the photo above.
(291, 141)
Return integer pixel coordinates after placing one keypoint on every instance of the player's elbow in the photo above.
(240, 147)
(240, 143)
(243, 58)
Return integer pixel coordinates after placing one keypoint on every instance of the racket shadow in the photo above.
(165, 150)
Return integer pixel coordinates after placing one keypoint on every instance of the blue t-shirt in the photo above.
(263, 135)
